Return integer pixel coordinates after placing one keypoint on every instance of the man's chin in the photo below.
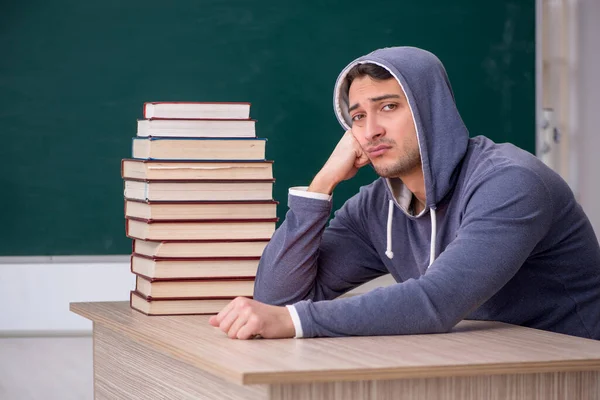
(389, 172)
(395, 169)
(382, 171)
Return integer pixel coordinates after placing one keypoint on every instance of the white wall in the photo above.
(35, 295)
(588, 108)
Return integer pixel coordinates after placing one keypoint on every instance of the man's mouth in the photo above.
(378, 150)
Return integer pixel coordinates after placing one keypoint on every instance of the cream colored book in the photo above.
(196, 289)
(195, 170)
(166, 268)
(201, 190)
(199, 148)
(177, 307)
(200, 210)
(195, 249)
(196, 127)
(200, 230)
(196, 110)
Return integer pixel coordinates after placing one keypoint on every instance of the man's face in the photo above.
(382, 123)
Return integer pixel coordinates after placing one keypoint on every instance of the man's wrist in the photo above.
(322, 184)
(302, 191)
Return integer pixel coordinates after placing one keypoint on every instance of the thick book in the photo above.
(185, 268)
(206, 149)
(196, 110)
(140, 303)
(196, 127)
(194, 289)
(181, 210)
(199, 190)
(195, 170)
(200, 230)
(194, 249)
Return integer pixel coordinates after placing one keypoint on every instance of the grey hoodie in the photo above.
(501, 237)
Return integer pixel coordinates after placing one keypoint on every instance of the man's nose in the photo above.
(374, 129)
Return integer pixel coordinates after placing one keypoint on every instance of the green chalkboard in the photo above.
(74, 75)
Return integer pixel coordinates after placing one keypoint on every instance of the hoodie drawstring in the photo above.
(433, 235)
(388, 251)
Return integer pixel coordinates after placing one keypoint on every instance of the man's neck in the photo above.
(415, 182)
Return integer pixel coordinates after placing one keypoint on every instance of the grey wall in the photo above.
(588, 109)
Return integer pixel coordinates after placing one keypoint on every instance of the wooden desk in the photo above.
(183, 357)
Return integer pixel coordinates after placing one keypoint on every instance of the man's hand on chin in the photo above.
(245, 318)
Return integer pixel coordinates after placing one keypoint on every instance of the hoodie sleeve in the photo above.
(504, 218)
(306, 260)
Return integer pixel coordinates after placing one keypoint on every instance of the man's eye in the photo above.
(389, 107)
(357, 117)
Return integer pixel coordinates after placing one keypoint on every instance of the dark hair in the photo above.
(374, 71)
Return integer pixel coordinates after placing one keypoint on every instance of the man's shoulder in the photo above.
(491, 162)
(484, 156)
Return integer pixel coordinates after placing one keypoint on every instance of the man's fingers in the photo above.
(239, 322)
(215, 320)
(245, 319)
(228, 320)
(361, 161)
(250, 328)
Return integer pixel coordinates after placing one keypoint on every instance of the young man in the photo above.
(468, 228)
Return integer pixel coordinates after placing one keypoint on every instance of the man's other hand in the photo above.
(343, 164)
(245, 318)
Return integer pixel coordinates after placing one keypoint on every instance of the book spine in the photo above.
(131, 294)
(146, 106)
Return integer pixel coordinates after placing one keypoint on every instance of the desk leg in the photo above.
(544, 386)
(125, 369)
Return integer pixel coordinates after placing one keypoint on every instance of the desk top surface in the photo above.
(472, 348)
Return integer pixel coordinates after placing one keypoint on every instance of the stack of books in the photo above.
(198, 205)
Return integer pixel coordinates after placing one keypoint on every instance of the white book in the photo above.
(196, 128)
(196, 110)
(197, 190)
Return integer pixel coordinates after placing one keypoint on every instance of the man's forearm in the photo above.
(288, 266)
(323, 183)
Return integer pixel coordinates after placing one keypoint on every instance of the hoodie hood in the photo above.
(441, 133)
